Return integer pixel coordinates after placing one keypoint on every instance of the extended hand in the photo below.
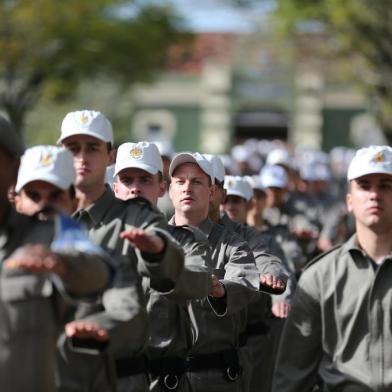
(36, 259)
(281, 309)
(273, 282)
(218, 289)
(144, 241)
(86, 330)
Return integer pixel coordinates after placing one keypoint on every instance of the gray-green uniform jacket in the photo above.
(170, 328)
(215, 322)
(31, 307)
(339, 326)
(122, 308)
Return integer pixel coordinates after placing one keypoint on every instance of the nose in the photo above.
(81, 155)
(186, 186)
(135, 189)
(374, 193)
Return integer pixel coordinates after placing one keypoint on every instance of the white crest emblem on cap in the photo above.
(46, 159)
(379, 157)
(83, 119)
(136, 153)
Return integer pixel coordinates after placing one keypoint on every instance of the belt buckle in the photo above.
(167, 381)
(229, 375)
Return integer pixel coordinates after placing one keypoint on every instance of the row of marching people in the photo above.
(171, 312)
(197, 301)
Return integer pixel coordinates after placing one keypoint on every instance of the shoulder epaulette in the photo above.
(320, 256)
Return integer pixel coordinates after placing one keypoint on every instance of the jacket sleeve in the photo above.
(195, 280)
(168, 265)
(300, 348)
(124, 314)
(86, 274)
(241, 278)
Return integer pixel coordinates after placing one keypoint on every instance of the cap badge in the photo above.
(230, 184)
(46, 159)
(136, 153)
(83, 119)
(379, 157)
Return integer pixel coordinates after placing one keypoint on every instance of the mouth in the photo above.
(374, 209)
(187, 200)
(82, 171)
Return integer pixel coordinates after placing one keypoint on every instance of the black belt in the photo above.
(165, 365)
(126, 367)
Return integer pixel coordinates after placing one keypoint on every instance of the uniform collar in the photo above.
(98, 209)
(351, 246)
(205, 226)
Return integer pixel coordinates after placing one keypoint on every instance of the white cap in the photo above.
(240, 153)
(315, 172)
(279, 156)
(217, 166)
(46, 163)
(273, 176)
(370, 160)
(86, 122)
(165, 148)
(142, 155)
(255, 182)
(238, 186)
(192, 157)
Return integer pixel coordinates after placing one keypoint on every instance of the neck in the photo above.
(376, 245)
(86, 197)
(214, 215)
(255, 220)
(187, 219)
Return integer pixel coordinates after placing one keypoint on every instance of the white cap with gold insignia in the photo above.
(86, 122)
(46, 163)
(142, 155)
(238, 186)
(370, 160)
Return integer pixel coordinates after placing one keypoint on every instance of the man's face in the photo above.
(132, 182)
(275, 196)
(370, 200)
(91, 157)
(40, 195)
(236, 208)
(190, 190)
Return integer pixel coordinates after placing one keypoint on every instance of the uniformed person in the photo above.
(283, 219)
(148, 250)
(339, 326)
(213, 363)
(45, 182)
(167, 152)
(139, 173)
(29, 302)
(259, 342)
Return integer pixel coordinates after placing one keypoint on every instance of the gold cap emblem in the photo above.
(46, 159)
(136, 153)
(230, 184)
(379, 157)
(83, 119)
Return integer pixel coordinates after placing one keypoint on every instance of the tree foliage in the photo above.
(363, 30)
(48, 46)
